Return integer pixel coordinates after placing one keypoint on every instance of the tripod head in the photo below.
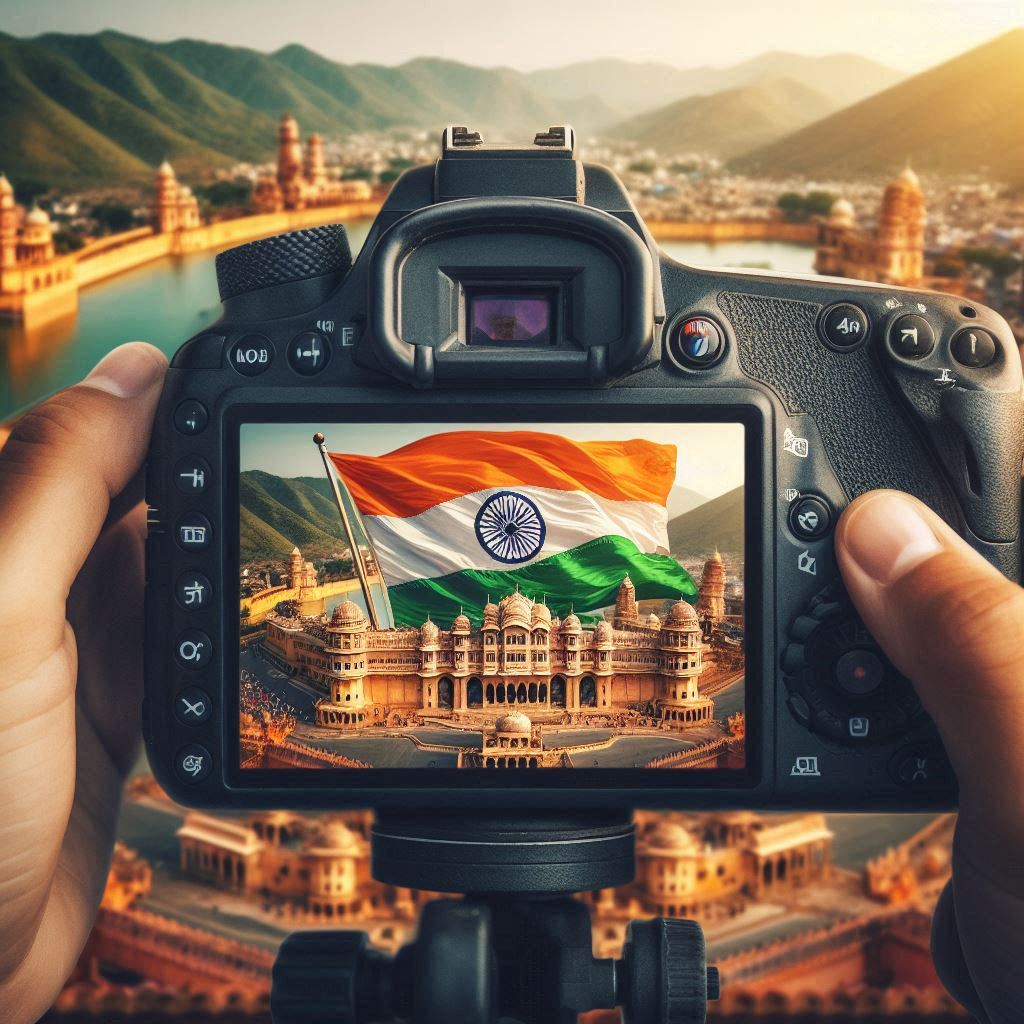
(517, 947)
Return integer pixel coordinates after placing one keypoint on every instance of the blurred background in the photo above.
(876, 141)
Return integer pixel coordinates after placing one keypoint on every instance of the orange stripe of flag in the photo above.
(438, 468)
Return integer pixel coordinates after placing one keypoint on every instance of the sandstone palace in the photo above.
(520, 656)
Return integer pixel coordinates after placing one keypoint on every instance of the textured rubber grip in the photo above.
(311, 252)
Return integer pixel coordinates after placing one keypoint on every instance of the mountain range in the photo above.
(717, 523)
(105, 109)
(83, 110)
(965, 116)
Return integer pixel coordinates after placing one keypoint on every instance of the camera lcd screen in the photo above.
(485, 596)
(510, 316)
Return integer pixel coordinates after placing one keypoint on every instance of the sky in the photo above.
(709, 455)
(527, 34)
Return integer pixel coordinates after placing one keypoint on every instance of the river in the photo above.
(166, 301)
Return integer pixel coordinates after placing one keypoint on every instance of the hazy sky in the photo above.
(709, 461)
(528, 34)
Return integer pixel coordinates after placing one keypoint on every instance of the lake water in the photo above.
(167, 301)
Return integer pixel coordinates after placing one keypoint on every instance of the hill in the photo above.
(716, 524)
(278, 514)
(965, 116)
(88, 110)
(730, 122)
(634, 88)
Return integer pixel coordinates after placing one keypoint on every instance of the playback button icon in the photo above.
(810, 518)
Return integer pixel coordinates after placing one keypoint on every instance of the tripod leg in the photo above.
(454, 973)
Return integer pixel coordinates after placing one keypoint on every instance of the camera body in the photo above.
(519, 285)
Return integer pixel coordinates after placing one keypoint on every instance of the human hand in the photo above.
(955, 627)
(72, 529)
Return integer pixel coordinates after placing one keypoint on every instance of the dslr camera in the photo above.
(513, 512)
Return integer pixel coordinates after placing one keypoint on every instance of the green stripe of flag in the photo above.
(585, 578)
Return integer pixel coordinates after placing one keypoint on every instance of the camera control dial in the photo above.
(283, 259)
(839, 681)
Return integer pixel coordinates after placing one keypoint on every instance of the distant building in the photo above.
(893, 253)
(175, 208)
(711, 594)
(301, 180)
(512, 742)
(28, 261)
(520, 656)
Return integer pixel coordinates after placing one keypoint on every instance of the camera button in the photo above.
(194, 532)
(911, 336)
(193, 591)
(193, 763)
(192, 706)
(251, 355)
(810, 518)
(696, 343)
(191, 475)
(859, 672)
(190, 417)
(921, 768)
(309, 352)
(193, 650)
(843, 326)
(973, 347)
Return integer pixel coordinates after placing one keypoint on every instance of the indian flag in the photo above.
(460, 517)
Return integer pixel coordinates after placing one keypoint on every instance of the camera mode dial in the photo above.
(283, 259)
(839, 681)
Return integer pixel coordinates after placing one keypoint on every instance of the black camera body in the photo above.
(517, 285)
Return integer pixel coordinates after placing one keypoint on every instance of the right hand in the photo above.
(955, 627)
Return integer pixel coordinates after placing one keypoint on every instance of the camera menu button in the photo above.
(309, 353)
(192, 706)
(843, 326)
(193, 650)
(193, 763)
(911, 336)
(194, 532)
(810, 517)
(251, 355)
(191, 417)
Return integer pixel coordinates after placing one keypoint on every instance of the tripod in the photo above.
(515, 948)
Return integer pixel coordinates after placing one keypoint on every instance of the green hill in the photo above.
(716, 524)
(965, 116)
(278, 514)
(730, 122)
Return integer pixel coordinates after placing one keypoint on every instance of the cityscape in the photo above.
(781, 163)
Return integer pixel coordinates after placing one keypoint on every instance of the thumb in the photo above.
(955, 627)
(64, 461)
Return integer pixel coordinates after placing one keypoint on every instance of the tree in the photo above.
(112, 217)
(1000, 263)
(796, 206)
(237, 192)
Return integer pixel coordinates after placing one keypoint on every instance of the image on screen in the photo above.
(480, 596)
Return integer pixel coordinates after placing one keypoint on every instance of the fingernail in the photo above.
(887, 536)
(128, 370)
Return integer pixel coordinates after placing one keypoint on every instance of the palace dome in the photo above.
(669, 837)
(348, 613)
(571, 623)
(515, 609)
(6, 188)
(842, 212)
(333, 837)
(682, 614)
(429, 633)
(907, 178)
(603, 633)
(653, 621)
(490, 614)
(513, 722)
(165, 170)
(37, 216)
(541, 614)
(461, 624)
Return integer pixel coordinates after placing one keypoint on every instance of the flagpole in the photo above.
(357, 556)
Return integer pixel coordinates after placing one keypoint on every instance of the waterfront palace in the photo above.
(519, 656)
(893, 253)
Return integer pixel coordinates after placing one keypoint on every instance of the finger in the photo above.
(955, 626)
(61, 466)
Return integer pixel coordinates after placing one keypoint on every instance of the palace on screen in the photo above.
(520, 656)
